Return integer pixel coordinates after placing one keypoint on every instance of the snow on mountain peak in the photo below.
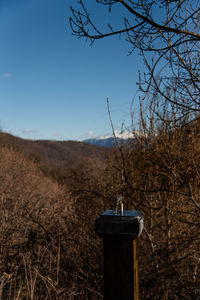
(118, 134)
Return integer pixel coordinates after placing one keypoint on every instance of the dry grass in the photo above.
(162, 180)
(45, 250)
(48, 246)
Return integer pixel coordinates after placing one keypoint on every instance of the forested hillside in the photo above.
(45, 250)
(48, 245)
(55, 157)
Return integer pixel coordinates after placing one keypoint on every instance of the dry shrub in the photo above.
(159, 175)
(33, 232)
(48, 246)
(47, 249)
(162, 180)
(86, 183)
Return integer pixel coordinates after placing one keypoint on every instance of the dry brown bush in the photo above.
(48, 246)
(162, 180)
(47, 250)
(34, 231)
(159, 175)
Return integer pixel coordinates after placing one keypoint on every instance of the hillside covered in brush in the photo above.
(55, 157)
(44, 241)
(48, 245)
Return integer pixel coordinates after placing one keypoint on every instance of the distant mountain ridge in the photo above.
(111, 141)
(107, 142)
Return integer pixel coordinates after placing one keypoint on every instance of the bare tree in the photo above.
(161, 174)
(166, 32)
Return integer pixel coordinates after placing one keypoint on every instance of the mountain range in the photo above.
(110, 140)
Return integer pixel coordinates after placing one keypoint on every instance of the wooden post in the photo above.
(136, 271)
(120, 253)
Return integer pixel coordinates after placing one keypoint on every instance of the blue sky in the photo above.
(55, 86)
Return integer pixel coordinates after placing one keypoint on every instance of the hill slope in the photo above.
(57, 151)
(55, 157)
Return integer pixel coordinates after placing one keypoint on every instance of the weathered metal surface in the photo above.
(112, 223)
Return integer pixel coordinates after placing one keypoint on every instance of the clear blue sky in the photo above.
(53, 85)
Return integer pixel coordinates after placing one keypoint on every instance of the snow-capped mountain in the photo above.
(109, 140)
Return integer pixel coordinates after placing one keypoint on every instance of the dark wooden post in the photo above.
(120, 253)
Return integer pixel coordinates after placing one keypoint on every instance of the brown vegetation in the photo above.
(51, 194)
(162, 180)
(48, 246)
(161, 176)
(47, 251)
